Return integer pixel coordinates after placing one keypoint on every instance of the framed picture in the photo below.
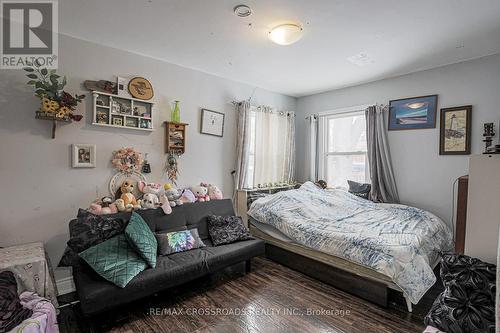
(131, 122)
(122, 87)
(413, 113)
(212, 122)
(117, 120)
(455, 130)
(84, 156)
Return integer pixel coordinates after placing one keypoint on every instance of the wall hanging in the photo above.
(140, 88)
(172, 167)
(413, 113)
(56, 104)
(128, 164)
(455, 130)
(212, 122)
(84, 155)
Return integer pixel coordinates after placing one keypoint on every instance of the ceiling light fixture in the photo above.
(242, 11)
(286, 34)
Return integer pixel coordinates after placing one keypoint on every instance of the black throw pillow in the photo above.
(468, 302)
(227, 229)
(89, 229)
(12, 313)
(358, 189)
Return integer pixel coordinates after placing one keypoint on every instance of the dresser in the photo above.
(461, 213)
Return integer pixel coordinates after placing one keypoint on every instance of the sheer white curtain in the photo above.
(274, 146)
(270, 156)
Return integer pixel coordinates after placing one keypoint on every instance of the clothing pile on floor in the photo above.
(26, 313)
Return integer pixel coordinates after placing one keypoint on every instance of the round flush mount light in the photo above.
(242, 11)
(286, 34)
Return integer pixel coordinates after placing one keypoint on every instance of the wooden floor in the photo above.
(272, 298)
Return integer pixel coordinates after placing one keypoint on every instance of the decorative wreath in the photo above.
(127, 160)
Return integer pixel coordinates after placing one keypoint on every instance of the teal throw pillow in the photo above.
(115, 260)
(142, 239)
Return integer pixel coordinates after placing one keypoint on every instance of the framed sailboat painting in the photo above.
(455, 130)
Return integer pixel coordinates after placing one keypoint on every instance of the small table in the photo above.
(32, 269)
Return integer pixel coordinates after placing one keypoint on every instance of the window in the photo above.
(343, 151)
(271, 138)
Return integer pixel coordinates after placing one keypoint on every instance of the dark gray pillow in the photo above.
(468, 302)
(360, 190)
(90, 229)
(178, 241)
(227, 229)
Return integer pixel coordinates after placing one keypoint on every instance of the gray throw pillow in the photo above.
(227, 229)
(360, 190)
(178, 241)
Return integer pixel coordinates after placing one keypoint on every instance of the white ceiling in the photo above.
(401, 36)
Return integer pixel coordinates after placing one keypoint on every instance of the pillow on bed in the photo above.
(358, 189)
(468, 302)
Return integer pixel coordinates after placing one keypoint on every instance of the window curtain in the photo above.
(382, 176)
(274, 146)
(313, 148)
(242, 143)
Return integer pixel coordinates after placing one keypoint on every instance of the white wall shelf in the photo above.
(122, 112)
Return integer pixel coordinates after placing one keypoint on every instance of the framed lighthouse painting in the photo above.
(455, 130)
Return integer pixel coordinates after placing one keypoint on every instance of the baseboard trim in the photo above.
(65, 286)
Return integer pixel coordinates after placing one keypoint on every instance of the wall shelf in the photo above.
(175, 137)
(122, 112)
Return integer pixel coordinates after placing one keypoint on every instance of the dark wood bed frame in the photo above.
(340, 273)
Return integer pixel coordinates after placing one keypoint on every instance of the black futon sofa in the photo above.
(98, 295)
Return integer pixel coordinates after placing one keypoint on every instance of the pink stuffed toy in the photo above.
(156, 189)
(103, 206)
(214, 193)
(200, 192)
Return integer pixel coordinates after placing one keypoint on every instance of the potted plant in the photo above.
(56, 104)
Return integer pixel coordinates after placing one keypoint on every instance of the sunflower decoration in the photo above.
(55, 102)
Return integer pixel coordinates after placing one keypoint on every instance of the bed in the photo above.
(387, 245)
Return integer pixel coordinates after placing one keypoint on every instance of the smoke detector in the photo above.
(242, 11)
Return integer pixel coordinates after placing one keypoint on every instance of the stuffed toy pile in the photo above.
(153, 196)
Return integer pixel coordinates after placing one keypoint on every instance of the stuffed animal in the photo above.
(103, 206)
(200, 192)
(188, 196)
(214, 193)
(129, 201)
(173, 195)
(151, 190)
(150, 201)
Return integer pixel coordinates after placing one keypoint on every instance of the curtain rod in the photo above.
(349, 109)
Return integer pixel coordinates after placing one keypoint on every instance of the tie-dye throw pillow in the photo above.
(178, 241)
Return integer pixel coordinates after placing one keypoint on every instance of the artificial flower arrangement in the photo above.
(48, 85)
(127, 160)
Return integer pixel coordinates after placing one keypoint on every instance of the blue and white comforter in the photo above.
(396, 240)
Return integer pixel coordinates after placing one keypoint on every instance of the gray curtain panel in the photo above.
(382, 176)
(313, 148)
(290, 153)
(242, 143)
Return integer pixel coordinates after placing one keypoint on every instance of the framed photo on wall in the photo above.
(84, 155)
(413, 113)
(455, 130)
(212, 122)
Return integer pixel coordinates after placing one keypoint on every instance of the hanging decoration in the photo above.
(127, 160)
(56, 104)
(146, 167)
(172, 167)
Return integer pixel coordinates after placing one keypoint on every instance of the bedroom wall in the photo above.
(41, 192)
(424, 178)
